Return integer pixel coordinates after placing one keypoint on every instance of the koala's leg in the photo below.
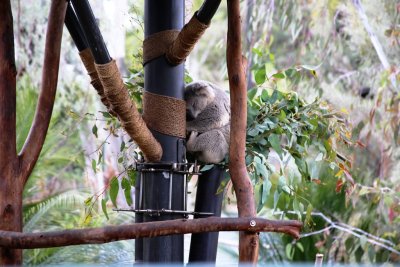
(204, 123)
(211, 146)
(198, 125)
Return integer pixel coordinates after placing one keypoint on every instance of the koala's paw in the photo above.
(193, 135)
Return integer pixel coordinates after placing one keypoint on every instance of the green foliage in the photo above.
(64, 211)
(289, 142)
(60, 161)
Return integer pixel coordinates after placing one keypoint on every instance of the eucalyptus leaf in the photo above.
(114, 188)
(104, 208)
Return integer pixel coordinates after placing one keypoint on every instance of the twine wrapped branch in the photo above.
(88, 62)
(133, 123)
(186, 40)
(175, 45)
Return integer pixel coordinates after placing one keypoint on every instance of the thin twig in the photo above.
(375, 42)
(380, 242)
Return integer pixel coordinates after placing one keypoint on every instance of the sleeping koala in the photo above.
(208, 121)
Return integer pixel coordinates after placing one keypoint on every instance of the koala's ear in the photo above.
(205, 91)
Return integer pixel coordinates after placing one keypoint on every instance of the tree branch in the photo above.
(248, 242)
(37, 134)
(8, 74)
(140, 230)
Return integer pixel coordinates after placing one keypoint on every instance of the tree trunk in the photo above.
(248, 242)
(14, 170)
(11, 212)
(10, 185)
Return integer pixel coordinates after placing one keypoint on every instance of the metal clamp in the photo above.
(151, 212)
(179, 168)
(166, 167)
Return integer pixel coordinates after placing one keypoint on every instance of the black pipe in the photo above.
(138, 219)
(75, 29)
(164, 79)
(92, 32)
(207, 10)
(203, 246)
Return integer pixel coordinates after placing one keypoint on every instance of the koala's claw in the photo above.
(194, 134)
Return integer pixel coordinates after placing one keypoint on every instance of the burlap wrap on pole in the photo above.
(157, 44)
(88, 62)
(173, 112)
(131, 120)
(184, 43)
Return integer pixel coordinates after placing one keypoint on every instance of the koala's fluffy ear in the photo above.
(204, 89)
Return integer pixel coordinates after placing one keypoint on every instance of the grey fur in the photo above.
(208, 108)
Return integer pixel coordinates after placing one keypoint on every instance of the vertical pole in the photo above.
(138, 219)
(11, 185)
(203, 246)
(164, 79)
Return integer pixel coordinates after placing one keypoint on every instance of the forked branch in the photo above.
(37, 134)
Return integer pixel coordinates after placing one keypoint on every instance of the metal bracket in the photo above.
(171, 168)
(151, 212)
(180, 168)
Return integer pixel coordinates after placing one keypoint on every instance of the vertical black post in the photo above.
(164, 79)
(138, 219)
(203, 246)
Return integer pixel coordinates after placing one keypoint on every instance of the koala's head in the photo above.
(198, 95)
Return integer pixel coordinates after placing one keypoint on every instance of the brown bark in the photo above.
(10, 188)
(140, 230)
(248, 241)
(37, 134)
(7, 86)
(14, 170)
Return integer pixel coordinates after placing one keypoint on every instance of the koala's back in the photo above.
(210, 128)
(215, 115)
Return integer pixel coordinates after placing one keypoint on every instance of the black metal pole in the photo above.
(207, 10)
(138, 219)
(75, 29)
(203, 247)
(85, 32)
(164, 79)
(91, 30)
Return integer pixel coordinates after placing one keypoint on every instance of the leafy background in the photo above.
(318, 148)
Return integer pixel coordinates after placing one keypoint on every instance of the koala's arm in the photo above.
(210, 146)
(214, 116)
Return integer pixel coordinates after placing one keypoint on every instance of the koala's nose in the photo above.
(189, 116)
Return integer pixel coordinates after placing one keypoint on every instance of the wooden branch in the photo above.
(248, 241)
(37, 134)
(140, 230)
(8, 74)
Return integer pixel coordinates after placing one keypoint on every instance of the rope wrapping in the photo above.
(186, 40)
(173, 111)
(131, 120)
(157, 44)
(88, 62)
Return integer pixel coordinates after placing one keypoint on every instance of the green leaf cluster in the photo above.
(290, 143)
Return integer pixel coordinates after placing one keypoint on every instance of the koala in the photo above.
(207, 121)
